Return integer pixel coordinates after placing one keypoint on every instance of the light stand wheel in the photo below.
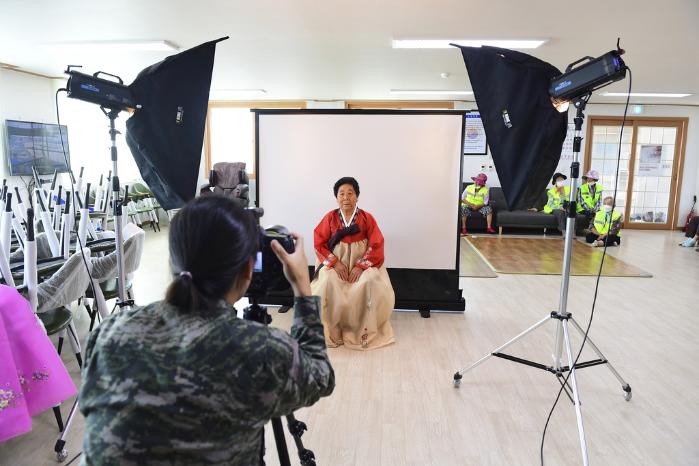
(457, 379)
(627, 392)
(62, 455)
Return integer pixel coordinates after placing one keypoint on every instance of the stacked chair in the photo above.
(69, 265)
(143, 207)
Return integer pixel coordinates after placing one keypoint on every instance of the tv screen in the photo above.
(35, 145)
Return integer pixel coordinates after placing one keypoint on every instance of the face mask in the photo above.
(607, 208)
(560, 184)
(591, 183)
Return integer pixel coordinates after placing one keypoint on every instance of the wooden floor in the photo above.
(544, 256)
(471, 263)
(397, 406)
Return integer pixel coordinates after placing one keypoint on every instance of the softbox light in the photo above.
(166, 134)
(525, 132)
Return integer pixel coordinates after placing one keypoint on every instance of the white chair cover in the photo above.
(66, 285)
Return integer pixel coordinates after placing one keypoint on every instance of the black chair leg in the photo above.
(92, 313)
(60, 344)
(78, 356)
(59, 417)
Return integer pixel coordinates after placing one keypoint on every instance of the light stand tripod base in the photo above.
(497, 352)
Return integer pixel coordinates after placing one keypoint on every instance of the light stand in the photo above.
(122, 302)
(117, 211)
(258, 313)
(562, 317)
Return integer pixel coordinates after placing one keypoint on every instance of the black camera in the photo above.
(268, 272)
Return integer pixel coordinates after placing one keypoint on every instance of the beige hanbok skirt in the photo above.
(356, 315)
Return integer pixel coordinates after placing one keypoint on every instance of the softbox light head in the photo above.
(166, 135)
(525, 132)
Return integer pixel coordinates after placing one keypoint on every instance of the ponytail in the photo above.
(183, 293)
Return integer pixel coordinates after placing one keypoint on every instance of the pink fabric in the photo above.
(32, 375)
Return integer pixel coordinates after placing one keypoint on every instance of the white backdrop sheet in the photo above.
(407, 166)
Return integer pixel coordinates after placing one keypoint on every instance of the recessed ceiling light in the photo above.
(644, 94)
(432, 91)
(444, 43)
(120, 45)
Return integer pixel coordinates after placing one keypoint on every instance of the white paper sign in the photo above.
(474, 134)
(650, 162)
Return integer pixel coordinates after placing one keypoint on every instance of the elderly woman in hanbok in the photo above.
(355, 290)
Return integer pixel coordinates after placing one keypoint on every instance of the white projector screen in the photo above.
(408, 165)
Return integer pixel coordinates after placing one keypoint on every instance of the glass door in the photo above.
(654, 175)
(651, 162)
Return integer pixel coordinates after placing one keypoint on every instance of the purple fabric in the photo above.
(32, 375)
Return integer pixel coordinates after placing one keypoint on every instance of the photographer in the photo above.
(184, 381)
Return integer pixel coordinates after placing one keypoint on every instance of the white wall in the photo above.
(23, 97)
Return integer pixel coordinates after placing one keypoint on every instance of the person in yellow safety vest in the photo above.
(558, 199)
(590, 195)
(476, 197)
(606, 227)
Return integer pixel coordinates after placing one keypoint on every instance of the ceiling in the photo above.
(333, 49)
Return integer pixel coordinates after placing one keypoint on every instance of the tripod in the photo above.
(122, 302)
(562, 318)
(258, 313)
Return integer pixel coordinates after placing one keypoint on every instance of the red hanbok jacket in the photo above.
(368, 229)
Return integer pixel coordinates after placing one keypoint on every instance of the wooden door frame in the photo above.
(681, 123)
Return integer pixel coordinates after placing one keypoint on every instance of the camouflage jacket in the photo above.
(161, 386)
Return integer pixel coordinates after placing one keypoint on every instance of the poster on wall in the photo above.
(474, 135)
(650, 163)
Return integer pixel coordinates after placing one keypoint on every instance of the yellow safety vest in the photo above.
(476, 195)
(603, 221)
(592, 202)
(555, 201)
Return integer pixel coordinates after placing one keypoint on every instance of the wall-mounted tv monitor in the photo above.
(37, 145)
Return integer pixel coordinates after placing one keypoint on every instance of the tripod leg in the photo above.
(279, 439)
(576, 396)
(624, 386)
(459, 375)
(296, 429)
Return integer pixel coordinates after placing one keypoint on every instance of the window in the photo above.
(232, 136)
(230, 132)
